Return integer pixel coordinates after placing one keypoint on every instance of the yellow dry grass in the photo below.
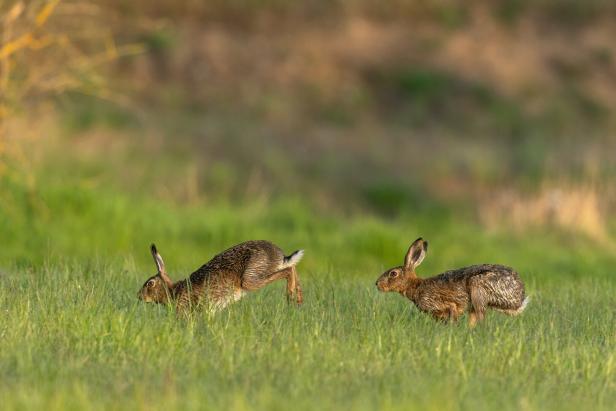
(576, 208)
(42, 56)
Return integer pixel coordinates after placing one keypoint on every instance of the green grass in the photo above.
(352, 171)
(74, 335)
(78, 336)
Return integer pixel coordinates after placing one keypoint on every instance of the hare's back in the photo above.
(222, 278)
(464, 274)
(251, 255)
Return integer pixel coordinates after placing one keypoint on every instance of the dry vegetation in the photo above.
(52, 47)
(574, 208)
(444, 102)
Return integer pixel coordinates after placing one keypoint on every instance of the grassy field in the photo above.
(347, 129)
(74, 335)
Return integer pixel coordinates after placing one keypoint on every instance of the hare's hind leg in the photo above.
(291, 283)
(293, 287)
(478, 306)
(294, 290)
(298, 288)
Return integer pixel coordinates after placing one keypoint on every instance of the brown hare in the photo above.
(448, 295)
(225, 278)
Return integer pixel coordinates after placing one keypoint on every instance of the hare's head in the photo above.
(157, 288)
(397, 279)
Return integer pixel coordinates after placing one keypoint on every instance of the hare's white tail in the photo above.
(518, 310)
(292, 260)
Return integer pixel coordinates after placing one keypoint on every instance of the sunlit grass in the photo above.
(78, 334)
(74, 335)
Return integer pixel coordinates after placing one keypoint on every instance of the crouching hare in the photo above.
(225, 278)
(448, 295)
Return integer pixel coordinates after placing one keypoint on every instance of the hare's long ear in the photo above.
(415, 254)
(160, 265)
(158, 260)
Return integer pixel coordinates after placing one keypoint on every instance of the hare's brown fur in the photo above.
(448, 295)
(226, 277)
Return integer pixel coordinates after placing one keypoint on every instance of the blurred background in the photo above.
(355, 125)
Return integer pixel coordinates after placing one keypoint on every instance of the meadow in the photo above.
(74, 335)
(346, 129)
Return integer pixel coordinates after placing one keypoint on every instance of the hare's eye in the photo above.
(393, 274)
(150, 283)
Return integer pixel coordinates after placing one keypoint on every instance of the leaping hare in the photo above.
(448, 295)
(225, 278)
